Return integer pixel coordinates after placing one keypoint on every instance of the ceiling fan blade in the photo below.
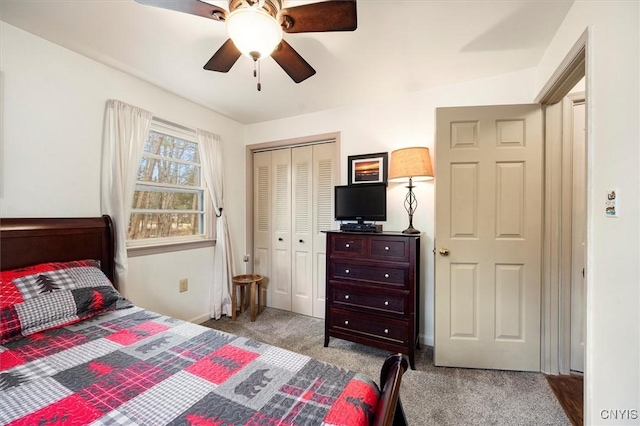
(224, 58)
(337, 15)
(193, 7)
(292, 63)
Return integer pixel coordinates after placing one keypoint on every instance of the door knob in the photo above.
(444, 251)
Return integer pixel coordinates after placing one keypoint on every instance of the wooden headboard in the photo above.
(25, 242)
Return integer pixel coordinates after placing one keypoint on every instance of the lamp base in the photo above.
(410, 204)
(411, 230)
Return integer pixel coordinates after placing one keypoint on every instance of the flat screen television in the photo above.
(361, 202)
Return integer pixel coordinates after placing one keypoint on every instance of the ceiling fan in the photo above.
(255, 29)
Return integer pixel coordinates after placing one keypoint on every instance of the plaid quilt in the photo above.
(134, 366)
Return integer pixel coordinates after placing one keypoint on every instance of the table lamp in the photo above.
(413, 164)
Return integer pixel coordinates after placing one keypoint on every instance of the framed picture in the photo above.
(368, 168)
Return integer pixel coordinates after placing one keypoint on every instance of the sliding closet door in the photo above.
(301, 220)
(280, 285)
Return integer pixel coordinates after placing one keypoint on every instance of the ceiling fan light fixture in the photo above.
(254, 32)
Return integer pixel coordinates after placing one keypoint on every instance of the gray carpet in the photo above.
(430, 395)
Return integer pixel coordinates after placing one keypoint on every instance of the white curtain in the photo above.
(223, 269)
(125, 130)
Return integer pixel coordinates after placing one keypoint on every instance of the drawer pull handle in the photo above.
(347, 245)
(386, 275)
(386, 303)
(346, 271)
(386, 248)
(386, 331)
(346, 323)
(346, 296)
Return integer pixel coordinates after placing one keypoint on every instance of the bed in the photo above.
(74, 351)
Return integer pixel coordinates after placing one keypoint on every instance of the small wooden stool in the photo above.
(253, 281)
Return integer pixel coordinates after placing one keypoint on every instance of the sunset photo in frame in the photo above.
(368, 168)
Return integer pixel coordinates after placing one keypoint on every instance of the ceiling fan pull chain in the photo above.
(256, 71)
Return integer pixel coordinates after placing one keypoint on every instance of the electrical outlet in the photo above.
(184, 285)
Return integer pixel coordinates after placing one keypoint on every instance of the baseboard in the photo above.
(425, 340)
(200, 319)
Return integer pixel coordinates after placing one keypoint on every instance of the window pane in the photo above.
(169, 198)
(171, 147)
(167, 171)
(150, 198)
(161, 225)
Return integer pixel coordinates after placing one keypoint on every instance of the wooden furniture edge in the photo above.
(389, 410)
(31, 241)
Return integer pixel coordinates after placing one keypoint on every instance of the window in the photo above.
(170, 204)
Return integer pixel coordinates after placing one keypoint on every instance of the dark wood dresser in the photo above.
(373, 290)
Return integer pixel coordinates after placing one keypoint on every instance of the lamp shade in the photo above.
(254, 32)
(412, 163)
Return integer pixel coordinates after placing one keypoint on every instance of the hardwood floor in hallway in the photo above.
(569, 389)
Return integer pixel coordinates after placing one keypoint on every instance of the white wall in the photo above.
(613, 142)
(401, 122)
(53, 107)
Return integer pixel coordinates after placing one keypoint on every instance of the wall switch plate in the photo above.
(245, 258)
(611, 208)
(184, 285)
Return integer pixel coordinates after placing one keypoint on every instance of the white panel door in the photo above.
(262, 216)
(488, 237)
(324, 179)
(280, 283)
(301, 221)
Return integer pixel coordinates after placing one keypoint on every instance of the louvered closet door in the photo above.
(293, 204)
(324, 179)
(301, 220)
(262, 216)
(280, 284)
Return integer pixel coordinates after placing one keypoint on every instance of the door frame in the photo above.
(283, 143)
(556, 306)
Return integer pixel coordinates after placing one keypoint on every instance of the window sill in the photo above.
(168, 248)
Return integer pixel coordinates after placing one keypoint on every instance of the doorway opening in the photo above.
(565, 237)
(557, 239)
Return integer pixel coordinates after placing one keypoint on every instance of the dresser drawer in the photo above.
(386, 275)
(370, 326)
(389, 248)
(368, 298)
(348, 245)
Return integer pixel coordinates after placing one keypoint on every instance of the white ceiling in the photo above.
(399, 47)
